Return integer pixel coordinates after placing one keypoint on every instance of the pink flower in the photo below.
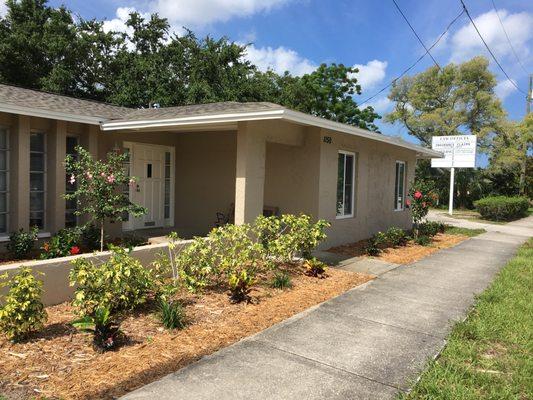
(72, 179)
(408, 202)
(89, 175)
(423, 204)
(132, 182)
(102, 174)
(111, 178)
(418, 195)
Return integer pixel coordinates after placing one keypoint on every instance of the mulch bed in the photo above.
(61, 363)
(404, 254)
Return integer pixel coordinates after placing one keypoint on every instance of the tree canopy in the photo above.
(45, 48)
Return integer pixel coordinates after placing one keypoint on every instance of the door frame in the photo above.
(128, 225)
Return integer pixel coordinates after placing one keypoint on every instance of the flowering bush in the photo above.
(64, 243)
(99, 188)
(422, 197)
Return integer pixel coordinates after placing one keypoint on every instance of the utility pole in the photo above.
(523, 167)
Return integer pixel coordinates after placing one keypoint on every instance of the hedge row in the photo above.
(502, 208)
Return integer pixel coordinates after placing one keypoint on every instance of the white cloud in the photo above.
(371, 73)
(381, 105)
(504, 89)
(466, 43)
(118, 24)
(3, 8)
(279, 60)
(193, 13)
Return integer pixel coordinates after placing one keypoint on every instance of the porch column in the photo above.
(19, 215)
(250, 176)
(89, 141)
(56, 177)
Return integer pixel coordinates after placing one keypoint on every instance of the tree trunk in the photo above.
(522, 181)
(102, 235)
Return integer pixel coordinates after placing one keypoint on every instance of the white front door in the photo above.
(151, 165)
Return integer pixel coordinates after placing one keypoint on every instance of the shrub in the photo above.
(315, 268)
(118, 284)
(502, 208)
(423, 240)
(23, 311)
(103, 326)
(171, 314)
(281, 280)
(422, 196)
(64, 243)
(396, 236)
(282, 238)
(240, 283)
(90, 237)
(21, 243)
(373, 245)
(431, 228)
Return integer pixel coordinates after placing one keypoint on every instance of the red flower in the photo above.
(74, 250)
(418, 195)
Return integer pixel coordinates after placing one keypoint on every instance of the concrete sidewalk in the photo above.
(368, 343)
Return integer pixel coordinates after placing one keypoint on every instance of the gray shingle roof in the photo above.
(19, 97)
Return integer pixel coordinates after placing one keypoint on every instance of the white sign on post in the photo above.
(459, 152)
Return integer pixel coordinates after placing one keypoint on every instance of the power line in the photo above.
(416, 62)
(489, 50)
(416, 34)
(508, 39)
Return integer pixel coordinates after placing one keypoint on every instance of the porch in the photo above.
(199, 179)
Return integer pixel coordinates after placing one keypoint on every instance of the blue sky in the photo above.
(300, 34)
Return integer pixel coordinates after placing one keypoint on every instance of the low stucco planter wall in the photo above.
(56, 288)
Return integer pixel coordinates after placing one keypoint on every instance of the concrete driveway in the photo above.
(369, 343)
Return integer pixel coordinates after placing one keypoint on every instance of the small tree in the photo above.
(99, 188)
(421, 198)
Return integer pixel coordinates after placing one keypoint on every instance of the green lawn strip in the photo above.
(489, 355)
(454, 230)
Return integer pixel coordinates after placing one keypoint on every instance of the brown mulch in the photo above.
(404, 254)
(61, 363)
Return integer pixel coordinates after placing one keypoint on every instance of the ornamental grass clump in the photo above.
(281, 280)
(22, 310)
(172, 314)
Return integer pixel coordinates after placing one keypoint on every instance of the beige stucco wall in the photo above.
(374, 187)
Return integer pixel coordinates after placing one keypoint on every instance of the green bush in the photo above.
(396, 236)
(281, 280)
(23, 311)
(90, 237)
(315, 268)
(103, 326)
(172, 314)
(240, 283)
(431, 228)
(65, 242)
(373, 245)
(285, 237)
(121, 283)
(21, 243)
(502, 208)
(423, 240)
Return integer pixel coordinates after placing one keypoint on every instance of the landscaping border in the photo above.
(55, 271)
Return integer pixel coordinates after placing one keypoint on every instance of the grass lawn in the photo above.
(490, 354)
(453, 230)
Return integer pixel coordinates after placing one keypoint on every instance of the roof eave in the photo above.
(37, 112)
(283, 114)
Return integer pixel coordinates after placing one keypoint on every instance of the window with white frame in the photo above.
(399, 186)
(71, 219)
(37, 179)
(345, 184)
(167, 184)
(4, 179)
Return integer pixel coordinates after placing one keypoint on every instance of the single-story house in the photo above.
(201, 163)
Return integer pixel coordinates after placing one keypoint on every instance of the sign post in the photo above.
(459, 152)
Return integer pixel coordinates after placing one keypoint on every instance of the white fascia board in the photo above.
(282, 114)
(37, 112)
(194, 120)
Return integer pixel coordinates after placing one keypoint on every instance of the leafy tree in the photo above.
(510, 148)
(453, 100)
(99, 190)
